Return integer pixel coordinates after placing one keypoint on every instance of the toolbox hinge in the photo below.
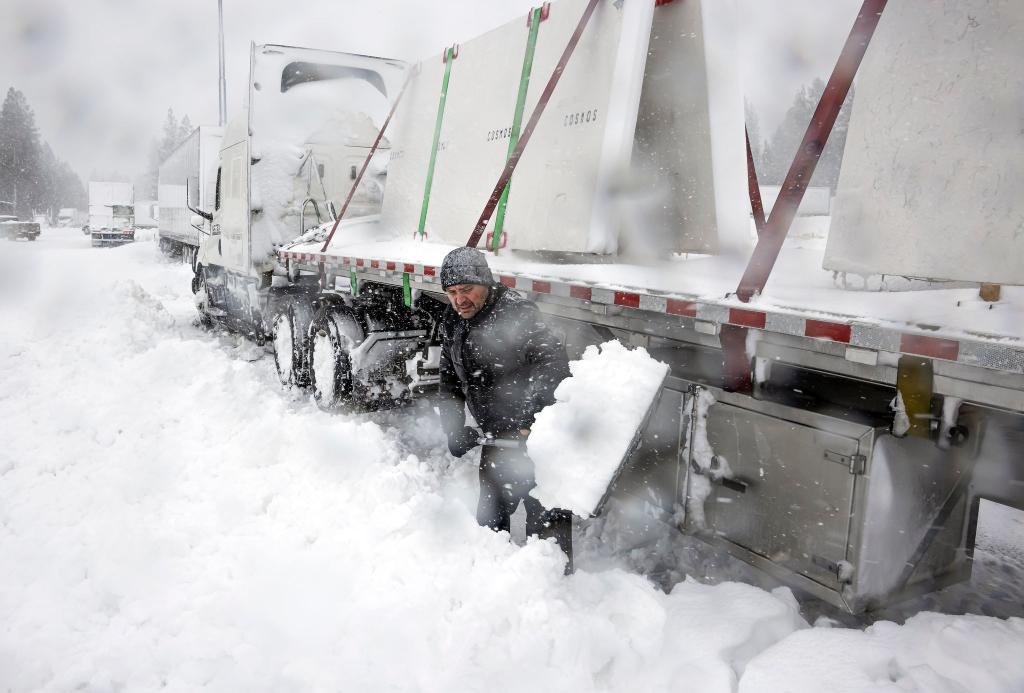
(856, 463)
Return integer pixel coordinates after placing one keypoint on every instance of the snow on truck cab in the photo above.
(312, 115)
(841, 440)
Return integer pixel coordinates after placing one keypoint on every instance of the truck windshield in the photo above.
(302, 72)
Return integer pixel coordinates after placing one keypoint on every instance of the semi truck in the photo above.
(284, 162)
(111, 213)
(835, 411)
(186, 180)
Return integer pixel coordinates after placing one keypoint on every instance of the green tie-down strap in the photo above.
(517, 121)
(406, 290)
(354, 282)
(449, 58)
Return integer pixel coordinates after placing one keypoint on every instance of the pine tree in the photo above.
(59, 186)
(786, 140)
(780, 151)
(20, 154)
(185, 129)
(170, 135)
(32, 177)
(73, 193)
(831, 160)
(47, 183)
(754, 135)
(174, 133)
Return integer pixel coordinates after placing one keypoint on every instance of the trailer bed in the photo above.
(864, 327)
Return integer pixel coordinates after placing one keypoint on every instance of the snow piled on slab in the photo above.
(578, 443)
(170, 519)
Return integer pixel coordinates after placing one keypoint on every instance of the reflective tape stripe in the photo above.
(819, 329)
(746, 318)
(1006, 355)
(625, 298)
(935, 347)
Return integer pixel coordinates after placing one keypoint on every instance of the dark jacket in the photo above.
(504, 362)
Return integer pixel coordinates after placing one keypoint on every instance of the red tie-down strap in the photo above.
(769, 241)
(366, 163)
(754, 188)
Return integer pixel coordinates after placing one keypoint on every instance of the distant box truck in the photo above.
(111, 213)
(147, 214)
(190, 170)
(69, 216)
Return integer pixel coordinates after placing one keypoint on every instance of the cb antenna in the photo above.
(222, 96)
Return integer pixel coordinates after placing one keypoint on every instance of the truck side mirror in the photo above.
(198, 214)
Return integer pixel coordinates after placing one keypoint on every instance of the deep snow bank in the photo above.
(929, 653)
(169, 519)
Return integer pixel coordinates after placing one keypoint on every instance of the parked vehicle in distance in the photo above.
(187, 178)
(111, 213)
(69, 216)
(12, 229)
(147, 214)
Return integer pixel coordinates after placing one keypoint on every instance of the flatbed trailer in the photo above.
(838, 432)
(823, 386)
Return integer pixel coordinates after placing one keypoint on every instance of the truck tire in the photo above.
(333, 335)
(291, 354)
(285, 357)
(201, 298)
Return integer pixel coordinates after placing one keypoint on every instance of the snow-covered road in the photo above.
(170, 519)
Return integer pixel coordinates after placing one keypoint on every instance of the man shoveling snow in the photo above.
(499, 358)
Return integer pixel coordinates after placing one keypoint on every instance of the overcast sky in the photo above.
(100, 74)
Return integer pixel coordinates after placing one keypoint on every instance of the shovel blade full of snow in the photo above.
(581, 444)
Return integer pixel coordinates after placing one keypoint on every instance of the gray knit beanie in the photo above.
(465, 266)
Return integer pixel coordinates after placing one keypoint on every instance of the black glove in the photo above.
(462, 441)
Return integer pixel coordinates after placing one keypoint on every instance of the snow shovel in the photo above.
(634, 443)
(504, 443)
(580, 477)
